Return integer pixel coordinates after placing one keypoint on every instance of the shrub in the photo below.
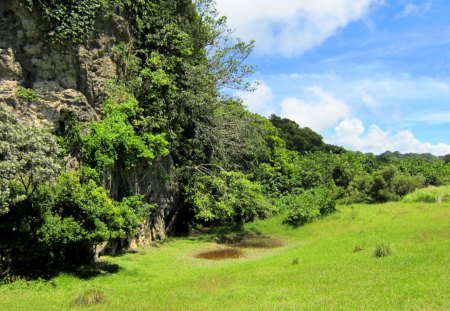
(404, 184)
(227, 197)
(28, 157)
(115, 141)
(62, 224)
(382, 250)
(26, 94)
(310, 205)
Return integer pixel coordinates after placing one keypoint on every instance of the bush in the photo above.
(382, 250)
(404, 184)
(309, 205)
(26, 94)
(62, 225)
(227, 197)
(28, 157)
(115, 141)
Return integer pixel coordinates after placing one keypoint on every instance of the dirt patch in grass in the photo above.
(220, 254)
(235, 245)
(258, 241)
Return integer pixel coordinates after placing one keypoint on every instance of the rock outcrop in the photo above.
(65, 77)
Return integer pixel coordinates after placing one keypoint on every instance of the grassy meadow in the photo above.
(329, 264)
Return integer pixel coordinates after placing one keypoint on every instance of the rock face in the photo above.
(65, 77)
(72, 79)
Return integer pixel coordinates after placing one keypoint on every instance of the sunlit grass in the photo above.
(325, 265)
(430, 195)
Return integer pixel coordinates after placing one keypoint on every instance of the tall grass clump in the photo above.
(90, 297)
(429, 195)
(383, 250)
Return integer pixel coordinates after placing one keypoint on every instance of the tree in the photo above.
(222, 197)
(226, 54)
(297, 139)
(28, 158)
(243, 138)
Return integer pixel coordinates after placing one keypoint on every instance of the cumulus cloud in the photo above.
(290, 27)
(322, 111)
(351, 134)
(350, 127)
(260, 100)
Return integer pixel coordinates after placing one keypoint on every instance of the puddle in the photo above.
(221, 254)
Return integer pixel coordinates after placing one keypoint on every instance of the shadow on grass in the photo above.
(95, 270)
(84, 272)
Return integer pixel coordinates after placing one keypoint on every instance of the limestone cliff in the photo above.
(72, 78)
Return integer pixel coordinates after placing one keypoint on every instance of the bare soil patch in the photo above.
(221, 254)
(259, 241)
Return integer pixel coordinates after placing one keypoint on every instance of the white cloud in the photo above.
(370, 101)
(351, 126)
(322, 111)
(435, 117)
(351, 134)
(260, 100)
(290, 27)
(414, 9)
(391, 100)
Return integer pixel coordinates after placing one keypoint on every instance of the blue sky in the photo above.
(370, 75)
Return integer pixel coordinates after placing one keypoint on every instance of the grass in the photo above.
(429, 195)
(325, 265)
(90, 297)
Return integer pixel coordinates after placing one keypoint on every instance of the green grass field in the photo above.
(325, 265)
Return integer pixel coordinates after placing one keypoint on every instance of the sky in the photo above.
(369, 75)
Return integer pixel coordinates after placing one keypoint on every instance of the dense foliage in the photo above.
(70, 20)
(298, 139)
(49, 216)
(227, 196)
(117, 139)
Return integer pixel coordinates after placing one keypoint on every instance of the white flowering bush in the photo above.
(28, 157)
